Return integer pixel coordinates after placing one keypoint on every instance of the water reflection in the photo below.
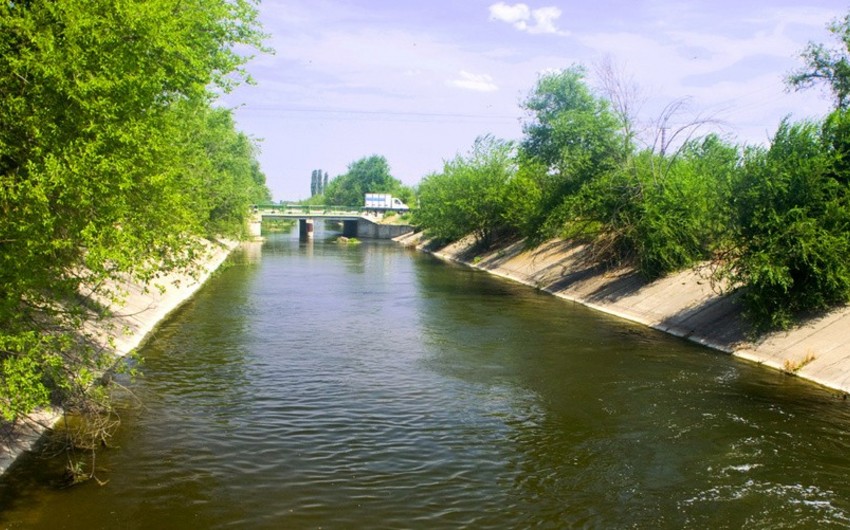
(252, 251)
(610, 423)
(365, 386)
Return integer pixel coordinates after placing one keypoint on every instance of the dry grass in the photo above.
(792, 367)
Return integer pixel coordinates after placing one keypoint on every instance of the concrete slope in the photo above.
(685, 304)
(143, 308)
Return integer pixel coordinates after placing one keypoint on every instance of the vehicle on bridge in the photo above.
(383, 202)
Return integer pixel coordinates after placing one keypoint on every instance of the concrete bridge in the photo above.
(356, 222)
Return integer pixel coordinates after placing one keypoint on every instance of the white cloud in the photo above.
(476, 82)
(523, 18)
(545, 18)
(734, 78)
(515, 14)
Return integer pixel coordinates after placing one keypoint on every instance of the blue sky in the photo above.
(418, 81)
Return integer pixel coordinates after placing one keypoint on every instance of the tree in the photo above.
(625, 99)
(112, 164)
(660, 213)
(791, 219)
(829, 66)
(570, 130)
(318, 183)
(367, 175)
(571, 138)
(225, 174)
(469, 196)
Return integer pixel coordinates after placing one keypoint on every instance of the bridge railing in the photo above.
(308, 208)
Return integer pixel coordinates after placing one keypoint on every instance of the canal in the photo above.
(320, 385)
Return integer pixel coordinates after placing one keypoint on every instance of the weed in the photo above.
(792, 367)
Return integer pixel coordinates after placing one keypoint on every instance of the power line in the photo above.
(398, 114)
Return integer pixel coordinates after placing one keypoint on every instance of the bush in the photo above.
(659, 213)
(792, 217)
(468, 197)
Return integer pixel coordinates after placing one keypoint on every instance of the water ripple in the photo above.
(331, 387)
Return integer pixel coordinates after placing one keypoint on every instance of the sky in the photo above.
(417, 81)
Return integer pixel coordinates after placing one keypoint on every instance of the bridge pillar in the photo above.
(305, 229)
(255, 224)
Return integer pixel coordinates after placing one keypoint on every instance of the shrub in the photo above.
(660, 213)
(468, 197)
(792, 217)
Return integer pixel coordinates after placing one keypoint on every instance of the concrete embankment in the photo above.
(685, 304)
(130, 324)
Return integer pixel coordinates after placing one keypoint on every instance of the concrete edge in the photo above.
(720, 329)
(139, 316)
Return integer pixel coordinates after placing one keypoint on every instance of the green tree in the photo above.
(829, 66)
(224, 175)
(571, 137)
(112, 164)
(366, 175)
(572, 132)
(660, 213)
(792, 215)
(469, 196)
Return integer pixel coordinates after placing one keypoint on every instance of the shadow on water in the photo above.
(313, 385)
(608, 422)
(182, 385)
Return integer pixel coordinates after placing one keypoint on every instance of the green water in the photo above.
(313, 385)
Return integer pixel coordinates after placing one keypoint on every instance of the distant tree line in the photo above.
(774, 221)
(370, 174)
(114, 161)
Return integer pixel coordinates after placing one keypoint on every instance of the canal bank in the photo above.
(317, 385)
(130, 325)
(686, 304)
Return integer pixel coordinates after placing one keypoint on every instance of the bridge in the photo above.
(356, 222)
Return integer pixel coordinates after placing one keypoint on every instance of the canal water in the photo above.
(319, 385)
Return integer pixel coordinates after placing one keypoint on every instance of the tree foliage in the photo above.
(367, 175)
(828, 66)
(570, 130)
(776, 220)
(571, 137)
(792, 215)
(468, 196)
(113, 162)
(660, 213)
